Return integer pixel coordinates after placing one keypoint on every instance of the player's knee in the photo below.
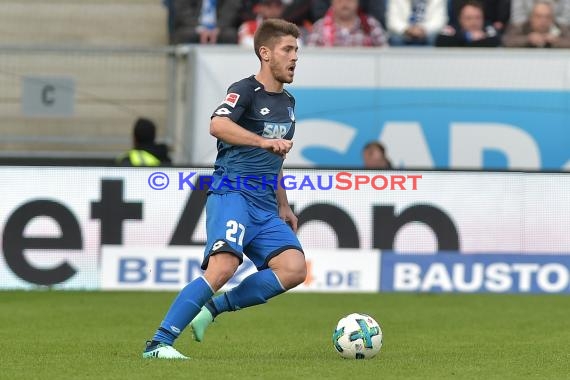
(219, 276)
(299, 275)
(227, 273)
(220, 269)
(295, 274)
(290, 267)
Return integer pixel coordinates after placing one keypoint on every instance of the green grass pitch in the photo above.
(85, 335)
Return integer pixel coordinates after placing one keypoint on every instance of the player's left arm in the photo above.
(285, 211)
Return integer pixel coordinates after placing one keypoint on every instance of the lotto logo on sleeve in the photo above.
(223, 111)
(231, 99)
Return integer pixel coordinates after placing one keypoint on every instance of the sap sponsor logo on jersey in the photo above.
(231, 99)
(276, 130)
(475, 273)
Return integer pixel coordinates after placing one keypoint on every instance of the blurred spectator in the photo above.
(497, 13)
(415, 22)
(374, 8)
(169, 5)
(345, 25)
(205, 21)
(540, 31)
(520, 9)
(471, 32)
(298, 12)
(374, 156)
(264, 9)
(146, 152)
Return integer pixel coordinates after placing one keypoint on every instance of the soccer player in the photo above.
(254, 126)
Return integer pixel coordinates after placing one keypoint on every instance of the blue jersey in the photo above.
(250, 170)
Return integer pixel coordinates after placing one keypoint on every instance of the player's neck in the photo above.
(270, 84)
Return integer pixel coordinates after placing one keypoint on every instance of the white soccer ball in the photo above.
(357, 336)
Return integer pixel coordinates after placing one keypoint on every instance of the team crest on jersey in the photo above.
(291, 113)
(231, 99)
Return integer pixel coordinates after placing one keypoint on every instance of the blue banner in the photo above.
(512, 129)
(475, 273)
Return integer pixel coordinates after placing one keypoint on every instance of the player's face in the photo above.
(284, 59)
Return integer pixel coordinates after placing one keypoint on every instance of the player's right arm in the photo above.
(232, 133)
(224, 126)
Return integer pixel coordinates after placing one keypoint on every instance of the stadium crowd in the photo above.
(378, 23)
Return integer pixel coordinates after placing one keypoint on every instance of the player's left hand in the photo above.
(278, 146)
(288, 216)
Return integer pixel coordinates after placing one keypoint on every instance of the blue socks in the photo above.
(184, 308)
(253, 290)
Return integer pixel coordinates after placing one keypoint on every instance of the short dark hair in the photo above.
(270, 31)
(375, 144)
(144, 131)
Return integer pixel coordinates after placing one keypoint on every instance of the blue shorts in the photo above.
(236, 226)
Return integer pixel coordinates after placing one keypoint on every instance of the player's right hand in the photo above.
(278, 146)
